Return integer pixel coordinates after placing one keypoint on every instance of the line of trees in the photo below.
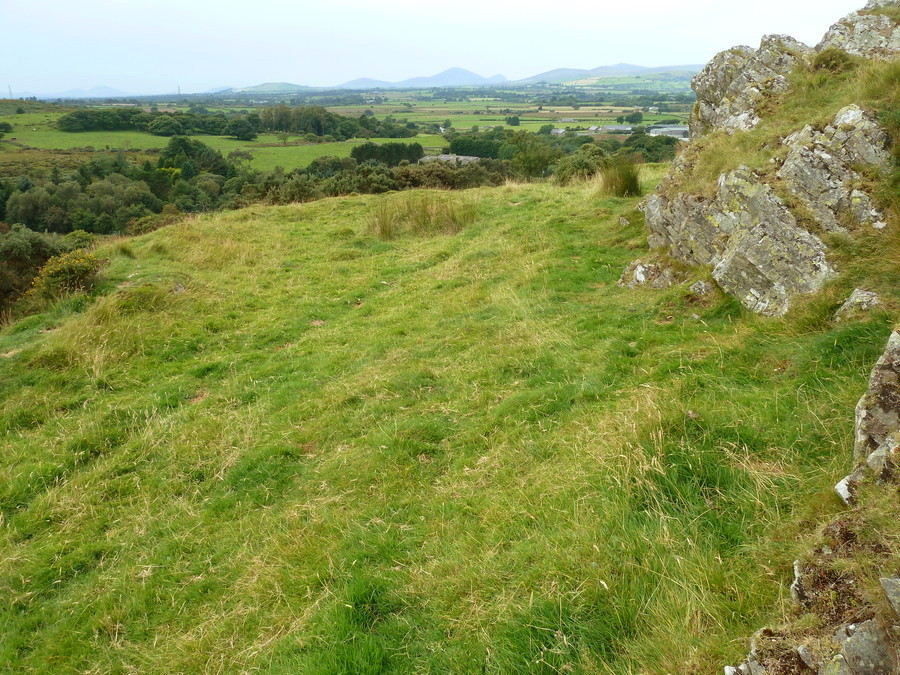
(300, 120)
(390, 154)
(318, 121)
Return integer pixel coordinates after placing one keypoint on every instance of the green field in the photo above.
(279, 443)
(38, 131)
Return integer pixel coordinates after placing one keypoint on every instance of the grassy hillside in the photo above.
(277, 442)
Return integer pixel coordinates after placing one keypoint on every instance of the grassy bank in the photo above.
(279, 442)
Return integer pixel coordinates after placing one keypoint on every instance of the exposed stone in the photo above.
(836, 666)
(734, 82)
(878, 411)
(860, 301)
(891, 588)
(797, 584)
(760, 254)
(862, 34)
(681, 226)
(754, 667)
(868, 650)
(807, 657)
(651, 275)
(882, 462)
(818, 168)
(844, 488)
(772, 263)
(700, 288)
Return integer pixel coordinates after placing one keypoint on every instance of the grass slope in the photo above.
(276, 442)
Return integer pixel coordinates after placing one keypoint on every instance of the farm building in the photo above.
(618, 129)
(676, 131)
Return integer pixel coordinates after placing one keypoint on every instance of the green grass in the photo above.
(267, 150)
(469, 452)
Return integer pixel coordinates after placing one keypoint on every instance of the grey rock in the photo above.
(844, 488)
(731, 670)
(807, 657)
(700, 288)
(869, 650)
(649, 274)
(885, 458)
(861, 34)
(891, 588)
(735, 81)
(878, 411)
(770, 264)
(859, 301)
(797, 592)
(836, 666)
(682, 226)
(755, 667)
(819, 168)
(759, 253)
(844, 633)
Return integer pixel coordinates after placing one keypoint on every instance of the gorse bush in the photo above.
(422, 214)
(71, 272)
(620, 179)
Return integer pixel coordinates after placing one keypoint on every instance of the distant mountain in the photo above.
(366, 83)
(617, 70)
(271, 88)
(452, 77)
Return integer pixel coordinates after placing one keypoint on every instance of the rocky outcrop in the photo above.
(865, 33)
(759, 253)
(819, 169)
(851, 639)
(763, 250)
(735, 81)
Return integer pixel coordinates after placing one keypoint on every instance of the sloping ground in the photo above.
(279, 443)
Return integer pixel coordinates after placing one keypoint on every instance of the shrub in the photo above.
(620, 179)
(79, 239)
(833, 60)
(71, 272)
(581, 165)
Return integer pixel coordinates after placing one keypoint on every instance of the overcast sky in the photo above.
(156, 45)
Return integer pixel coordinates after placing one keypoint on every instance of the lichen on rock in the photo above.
(878, 411)
(859, 302)
(819, 168)
(734, 82)
(759, 253)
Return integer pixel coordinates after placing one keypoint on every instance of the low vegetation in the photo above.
(273, 440)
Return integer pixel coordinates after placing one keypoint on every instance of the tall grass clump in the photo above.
(421, 214)
(621, 178)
